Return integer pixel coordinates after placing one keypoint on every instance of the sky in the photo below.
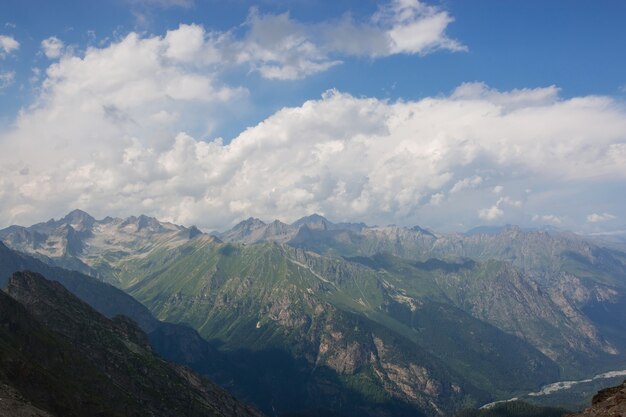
(445, 114)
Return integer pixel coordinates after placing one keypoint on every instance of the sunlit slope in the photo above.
(273, 296)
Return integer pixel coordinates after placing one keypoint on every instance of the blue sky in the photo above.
(576, 45)
(267, 65)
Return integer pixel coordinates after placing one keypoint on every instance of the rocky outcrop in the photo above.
(609, 402)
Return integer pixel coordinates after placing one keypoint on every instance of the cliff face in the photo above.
(610, 402)
(60, 357)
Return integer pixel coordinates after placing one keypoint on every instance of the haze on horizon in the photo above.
(441, 114)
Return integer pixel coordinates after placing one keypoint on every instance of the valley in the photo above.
(356, 319)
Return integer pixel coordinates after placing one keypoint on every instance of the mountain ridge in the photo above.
(264, 287)
(112, 370)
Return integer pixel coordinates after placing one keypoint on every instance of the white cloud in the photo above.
(186, 43)
(597, 218)
(415, 28)
(469, 182)
(491, 213)
(509, 201)
(8, 45)
(52, 47)
(106, 135)
(507, 100)
(547, 218)
(495, 212)
(276, 46)
(437, 199)
(6, 79)
(279, 47)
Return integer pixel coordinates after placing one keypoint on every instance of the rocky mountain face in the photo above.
(609, 402)
(362, 320)
(535, 283)
(95, 247)
(60, 357)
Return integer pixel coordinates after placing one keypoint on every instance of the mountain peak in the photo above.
(422, 230)
(142, 222)
(194, 231)
(314, 221)
(250, 223)
(79, 219)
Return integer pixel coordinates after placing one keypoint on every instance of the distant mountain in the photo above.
(59, 355)
(95, 247)
(368, 320)
(254, 230)
(271, 296)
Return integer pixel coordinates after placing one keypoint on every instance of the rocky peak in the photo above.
(143, 222)
(250, 224)
(314, 221)
(421, 230)
(79, 220)
(194, 231)
(74, 240)
(277, 226)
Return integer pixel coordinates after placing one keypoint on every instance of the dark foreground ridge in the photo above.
(60, 357)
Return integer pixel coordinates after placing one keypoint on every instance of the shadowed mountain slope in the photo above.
(68, 359)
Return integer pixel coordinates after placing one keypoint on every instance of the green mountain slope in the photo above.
(363, 319)
(272, 296)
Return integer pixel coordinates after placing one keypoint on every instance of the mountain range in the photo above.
(316, 317)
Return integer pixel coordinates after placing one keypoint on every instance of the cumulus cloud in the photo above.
(509, 100)
(277, 47)
(105, 135)
(496, 211)
(416, 28)
(52, 47)
(122, 129)
(597, 218)
(490, 214)
(94, 108)
(8, 45)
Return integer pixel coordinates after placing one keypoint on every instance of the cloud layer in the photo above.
(112, 132)
(477, 155)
